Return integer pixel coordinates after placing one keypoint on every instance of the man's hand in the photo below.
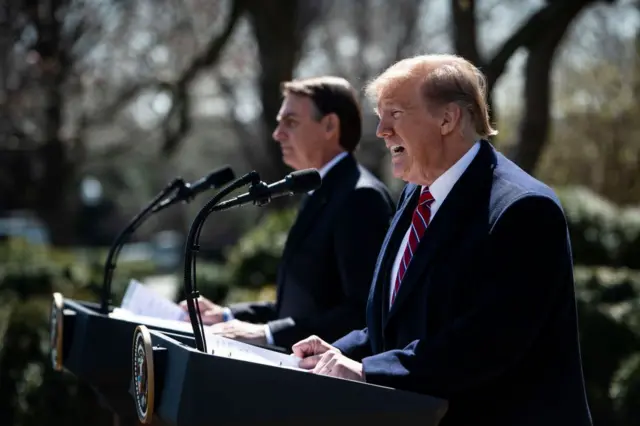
(210, 312)
(242, 331)
(335, 364)
(311, 350)
(322, 358)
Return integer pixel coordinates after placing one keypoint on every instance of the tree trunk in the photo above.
(535, 124)
(279, 31)
(57, 197)
(464, 30)
(278, 50)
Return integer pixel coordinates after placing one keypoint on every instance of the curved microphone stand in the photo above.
(192, 247)
(114, 251)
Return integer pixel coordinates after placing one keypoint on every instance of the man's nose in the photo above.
(383, 130)
(278, 135)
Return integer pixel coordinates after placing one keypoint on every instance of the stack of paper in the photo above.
(141, 300)
(142, 304)
(228, 348)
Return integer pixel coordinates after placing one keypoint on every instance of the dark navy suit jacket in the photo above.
(486, 314)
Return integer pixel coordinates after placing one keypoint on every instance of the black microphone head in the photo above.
(304, 181)
(220, 177)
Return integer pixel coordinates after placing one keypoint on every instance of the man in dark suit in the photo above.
(473, 295)
(328, 260)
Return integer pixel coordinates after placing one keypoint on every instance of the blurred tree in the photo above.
(71, 67)
(596, 136)
(540, 35)
(279, 30)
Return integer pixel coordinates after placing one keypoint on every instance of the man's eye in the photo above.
(396, 114)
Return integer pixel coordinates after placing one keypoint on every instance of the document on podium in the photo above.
(142, 304)
(145, 306)
(229, 348)
(141, 300)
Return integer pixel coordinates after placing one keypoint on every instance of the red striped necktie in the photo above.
(419, 222)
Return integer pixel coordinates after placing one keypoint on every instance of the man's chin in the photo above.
(288, 161)
(399, 173)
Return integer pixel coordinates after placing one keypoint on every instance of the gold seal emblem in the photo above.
(143, 374)
(55, 330)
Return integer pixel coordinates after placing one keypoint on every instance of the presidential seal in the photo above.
(143, 374)
(55, 331)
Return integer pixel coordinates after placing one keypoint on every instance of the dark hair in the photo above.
(332, 95)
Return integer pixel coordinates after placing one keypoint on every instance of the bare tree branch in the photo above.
(361, 21)
(279, 33)
(246, 137)
(464, 30)
(534, 127)
(180, 107)
(409, 15)
(554, 13)
(177, 123)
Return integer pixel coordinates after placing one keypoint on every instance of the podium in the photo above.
(174, 384)
(96, 348)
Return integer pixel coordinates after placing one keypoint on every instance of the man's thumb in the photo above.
(309, 362)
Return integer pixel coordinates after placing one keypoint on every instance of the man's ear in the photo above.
(451, 116)
(331, 123)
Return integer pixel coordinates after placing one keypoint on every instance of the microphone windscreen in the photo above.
(304, 181)
(220, 177)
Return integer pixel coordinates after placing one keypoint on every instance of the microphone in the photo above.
(192, 247)
(182, 192)
(187, 192)
(260, 194)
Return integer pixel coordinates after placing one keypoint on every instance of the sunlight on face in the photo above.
(410, 131)
(298, 132)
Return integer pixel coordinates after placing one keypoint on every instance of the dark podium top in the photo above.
(174, 384)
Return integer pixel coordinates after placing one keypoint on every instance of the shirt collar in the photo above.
(329, 165)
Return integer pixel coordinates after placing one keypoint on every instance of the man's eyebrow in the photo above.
(387, 106)
(286, 115)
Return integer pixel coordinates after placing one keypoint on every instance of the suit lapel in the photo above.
(308, 212)
(449, 222)
(335, 184)
(397, 231)
(378, 302)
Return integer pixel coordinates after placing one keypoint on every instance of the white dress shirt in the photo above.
(440, 188)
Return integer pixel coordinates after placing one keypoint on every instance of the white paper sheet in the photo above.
(141, 300)
(229, 348)
(183, 326)
(143, 305)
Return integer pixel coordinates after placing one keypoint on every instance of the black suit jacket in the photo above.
(486, 314)
(327, 265)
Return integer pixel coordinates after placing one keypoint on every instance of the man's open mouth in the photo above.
(397, 149)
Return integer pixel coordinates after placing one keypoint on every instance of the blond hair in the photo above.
(445, 79)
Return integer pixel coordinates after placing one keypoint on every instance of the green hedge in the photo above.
(31, 393)
(253, 261)
(609, 310)
(601, 233)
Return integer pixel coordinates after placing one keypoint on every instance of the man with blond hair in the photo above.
(472, 297)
